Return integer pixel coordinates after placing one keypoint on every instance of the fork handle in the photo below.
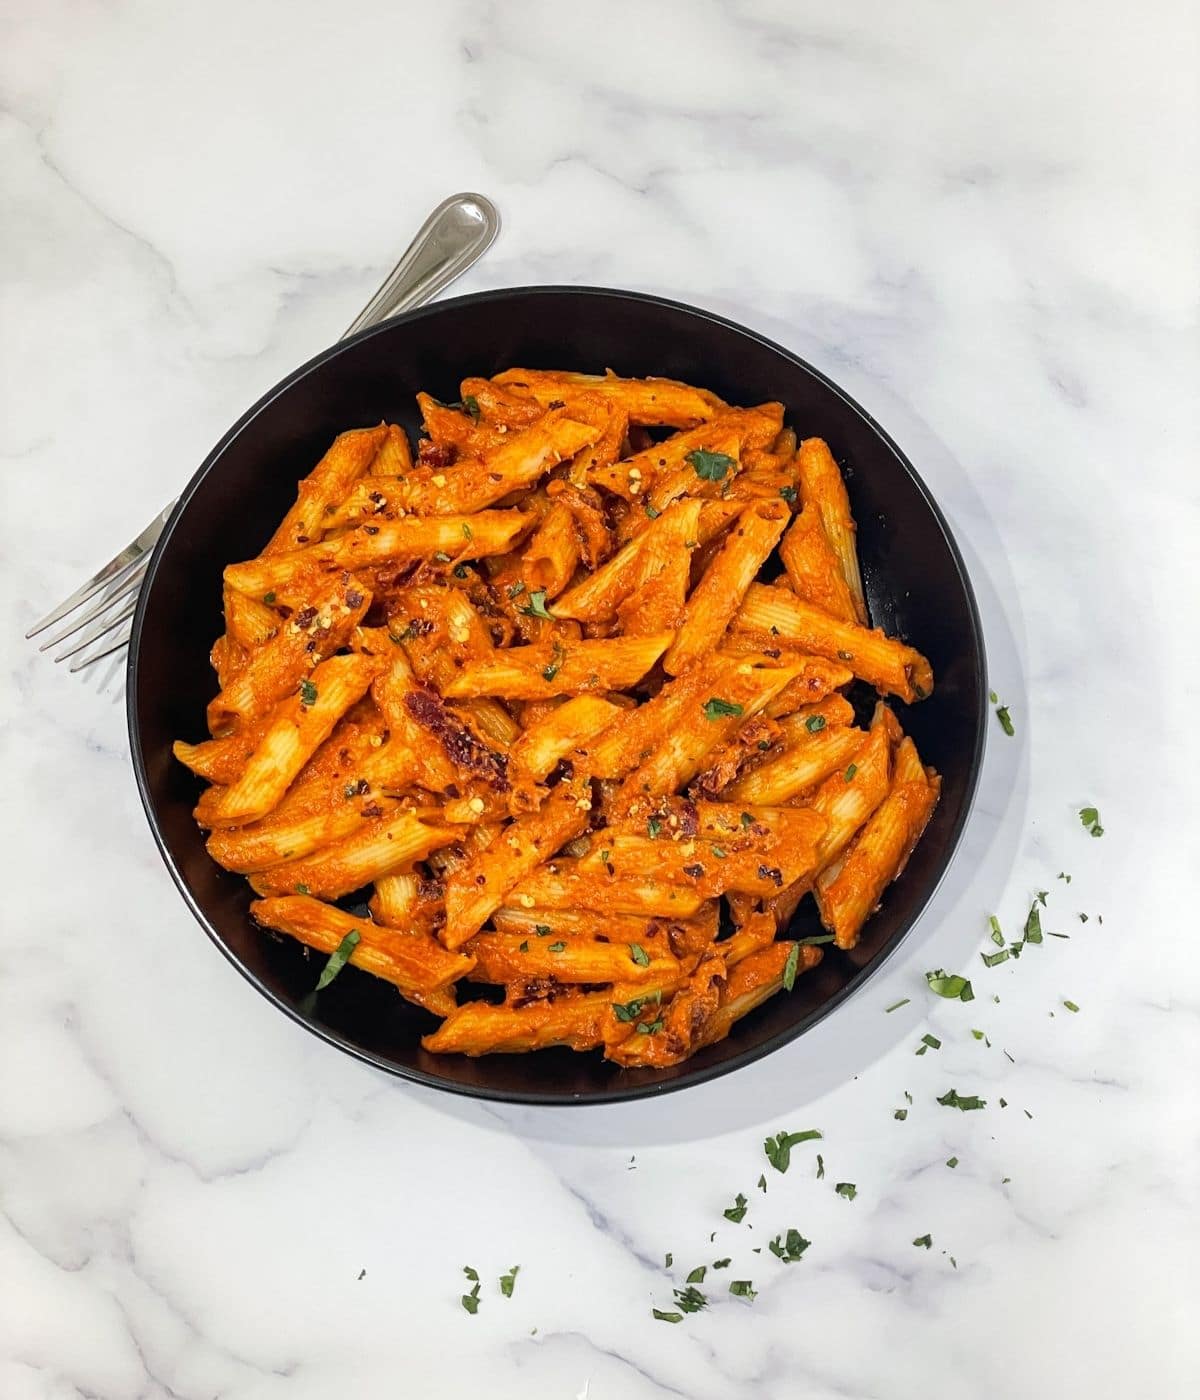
(458, 232)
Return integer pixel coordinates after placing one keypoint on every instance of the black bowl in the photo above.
(914, 577)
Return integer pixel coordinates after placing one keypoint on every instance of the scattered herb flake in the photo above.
(639, 955)
(516, 589)
(1033, 925)
(743, 1288)
(1004, 717)
(953, 1099)
(308, 694)
(559, 947)
(268, 598)
(991, 959)
(722, 1263)
(697, 1274)
(301, 888)
(669, 1259)
(788, 493)
(667, 1316)
(846, 1189)
(508, 1281)
(1062, 875)
(952, 1161)
(653, 827)
(779, 1148)
(820, 1167)
(924, 1242)
(716, 708)
(762, 1183)
(815, 723)
(1090, 817)
(523, 946)
(901, 1114)
(949, 985)
(543, 930)
(997, 931)
(338, 959)
(896, 1005)
(790, 966)
(536, 607)
(709, 466)
(690, 1299)
(737, 1211)
(848, 775)
(1070, 1005)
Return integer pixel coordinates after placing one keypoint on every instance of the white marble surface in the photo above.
(982, 220)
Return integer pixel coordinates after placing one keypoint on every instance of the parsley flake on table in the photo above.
(470, 1301)
(709, 466)
(820, 1167)
(924, 1241)
(667, 1316)
(697, 1274)
(338, 959)
(737, 1211)
(1033, 925)
(1070, 1005)
(508, 1281)
(992, 959)
(715, 708)
(743, 1288)
(952, 1162)
(900, 1114)
(536, 607)
(997, 931)
(896, 1005)
(929, 1042)
(949, 985)
(953, 1099)
(779, 1148)
(690, 1299)
(1090, 818)
(846, 1189)
(1002, 714)
(721, 1263)
(789, 1247)
(762, 1183)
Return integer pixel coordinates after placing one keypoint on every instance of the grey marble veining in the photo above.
(982, 221)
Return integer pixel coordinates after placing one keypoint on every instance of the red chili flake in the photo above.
(694, 870)
(556, 403)
(301, 539)
(371, 529)
(305, 617)
(373, 809)
(772, 873)
(353, 598)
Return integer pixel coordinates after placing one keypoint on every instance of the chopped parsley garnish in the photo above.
(1062, 875)
(523, 946)
(746, 820)
(1083, 918)
(468, 533)
(558, 947)
(788, 493)
(543, 930)
(716, 708)
(722, 1263)
(668, 1260)
(997, 932)
(815, 939)
(900, 1114)
(649, 1027)
(667, 1316)
(762, 1183)
(847, 1189)
(991, 959)
(536, 607)
(1033, 925)
(790, 1246)
(690, 1299)
(470, 1301)
(953, 1099)
(820, 1167)
(815, 723)
(308, 694)
(639, 955)
(737, 1211)
(338, 959)
(952, 1161)
(779, 1148)
(924, 1241)
(949, 985)
(1004, 717)
(651, 512)
(1090, 818)
(516, 589)
(1070, 1005)
(301, 889)
(508, 1281)
(555, 665)
(268, 598)
(719, 852)
(709, 466)
(743, 1288)
(653, 826)
(789, 967)
(929, 1042)
(896, 1005)
(697, 1274)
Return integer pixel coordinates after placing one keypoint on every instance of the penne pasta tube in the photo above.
(507, 957)
(751, 982)
(280, 664)
(221, 760)
(456, 536)
(288, 836)
(807, 759)
(411, 962)
(565, 886)
(813, 567)
(540, 747)
(298, 726)
(613, 928)
(718, 595)
(890, 666)
(553, 553)
(479, 1028)
(395, 899)
(348, 458)
(394, 457)
(477, 889)
(849, 891)
(249, 622)
(821, 485)
(540, 672)
(648, 402)
(848, 797)
(383, 843)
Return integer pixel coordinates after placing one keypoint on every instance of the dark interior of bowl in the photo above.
(914, 578)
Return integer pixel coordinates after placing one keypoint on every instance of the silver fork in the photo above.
(99, 614)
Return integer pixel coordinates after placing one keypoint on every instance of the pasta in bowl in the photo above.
(554, 722)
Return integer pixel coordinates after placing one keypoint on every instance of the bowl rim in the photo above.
(617, 1092)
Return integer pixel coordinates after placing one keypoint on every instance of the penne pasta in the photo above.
(479, 1028)
(506, 957)
(648, 402)
(540, 673)
(813, 567)
(822, 486)
(349, 457)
